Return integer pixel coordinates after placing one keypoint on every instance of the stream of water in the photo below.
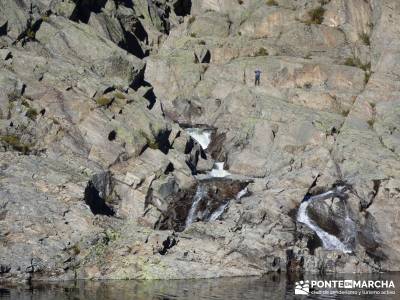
(329, 241)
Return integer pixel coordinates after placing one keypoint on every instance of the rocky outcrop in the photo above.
(99, 174)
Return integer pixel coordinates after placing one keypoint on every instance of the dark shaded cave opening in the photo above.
(96, 203)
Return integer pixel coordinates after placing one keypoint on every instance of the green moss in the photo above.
(119, 95)
(365, 38)
(316, 15)
(191, 20)
(15, 143)
(356, 62)
(103, 101)
(31, 114)
(30, 33)
(272, 3)
(261, 52)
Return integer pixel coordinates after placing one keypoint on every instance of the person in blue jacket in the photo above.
(257, 78)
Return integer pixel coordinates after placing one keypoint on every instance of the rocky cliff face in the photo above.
(98, 174)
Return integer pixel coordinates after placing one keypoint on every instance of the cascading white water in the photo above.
(216, 214)
(218, 170)
(329, 241)
(242, 193)
(202, 136)
(200, 192)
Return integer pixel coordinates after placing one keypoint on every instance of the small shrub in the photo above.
(240, 2)
(356, 62)
(193, 34)
(367, 76)
(103, 101)
(191, 20)
(261, 52)
(13, 96)
(15, 143)
(345, 112)
(371, 123)
(30, 33)
(365, 38)
(272, 3)
(119, 95)
(31, 114)
(316, 15)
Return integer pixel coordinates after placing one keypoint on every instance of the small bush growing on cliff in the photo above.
(15, 143)
(31, 114)
(191, 20)
(261, 52)
(272, 3)
(103, 101)
(119, 95)
(365, 38)
(356, 62)
(316, 15)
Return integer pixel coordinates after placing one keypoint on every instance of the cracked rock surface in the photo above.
(97, 171)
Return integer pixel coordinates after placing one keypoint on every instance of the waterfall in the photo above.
(217, 213)
(218, 170)
(329, 241)
(242, 193)
(200, 192)
(202, 136)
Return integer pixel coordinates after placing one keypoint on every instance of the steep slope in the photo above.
(98, 172)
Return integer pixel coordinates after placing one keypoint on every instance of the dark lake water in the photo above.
(277, 286)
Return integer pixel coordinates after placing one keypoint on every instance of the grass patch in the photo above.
(316, 16)
(103, 101)
(365, 38)
(191, 20)
(261, 52)
(356, 62)
(272, 3)
(119, 95)
(31, 114)
(15, 143)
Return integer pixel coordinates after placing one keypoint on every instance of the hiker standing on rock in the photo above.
(257, 79)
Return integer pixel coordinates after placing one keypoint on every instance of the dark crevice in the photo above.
(163, 141)
(96, 203)
(182, 7)
(170, 168)
(151, 97)
(3, 29)
(84, 8)
(168, 244)
(140, 32)
(314, 243)
(112, 135)
(132, 45)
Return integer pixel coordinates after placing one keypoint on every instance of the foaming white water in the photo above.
(242, 193)
(329, 241)
(216, 214)
(202, 136)
(218, 170)
(200, 192)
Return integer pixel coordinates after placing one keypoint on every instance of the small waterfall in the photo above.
(218, 170)
(216, 214)
(329, 241)
(242, 193)
(200, 192)
(202, 136)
